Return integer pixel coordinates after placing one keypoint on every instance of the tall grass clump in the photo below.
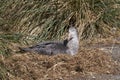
(48, 19)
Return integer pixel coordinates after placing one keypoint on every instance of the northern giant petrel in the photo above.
(67, 46)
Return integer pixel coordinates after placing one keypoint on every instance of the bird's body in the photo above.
(67, 46)
(48, 48)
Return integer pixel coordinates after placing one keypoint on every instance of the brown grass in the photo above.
(30, 66)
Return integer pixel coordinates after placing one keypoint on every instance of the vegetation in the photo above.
(43, 19)
(26, 21)
(38, 20)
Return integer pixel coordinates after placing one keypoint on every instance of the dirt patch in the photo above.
(32, 66)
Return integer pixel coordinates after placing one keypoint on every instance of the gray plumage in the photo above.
(67, 46)
(47, 48)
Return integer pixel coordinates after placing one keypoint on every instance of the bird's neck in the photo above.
(73, 45)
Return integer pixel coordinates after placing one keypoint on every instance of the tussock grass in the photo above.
(29, 21)
(48, 19)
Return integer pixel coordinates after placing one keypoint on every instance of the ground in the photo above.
(91, 63)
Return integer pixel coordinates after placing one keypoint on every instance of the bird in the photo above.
(73, 43)
(67, 46)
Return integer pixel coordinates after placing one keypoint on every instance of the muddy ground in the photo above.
(94, 62)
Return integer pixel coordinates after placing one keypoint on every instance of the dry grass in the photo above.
(30, 66)
(46, 19)
(26, 22)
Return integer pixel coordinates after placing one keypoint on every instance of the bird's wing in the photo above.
(44, 45)
(46, 48)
